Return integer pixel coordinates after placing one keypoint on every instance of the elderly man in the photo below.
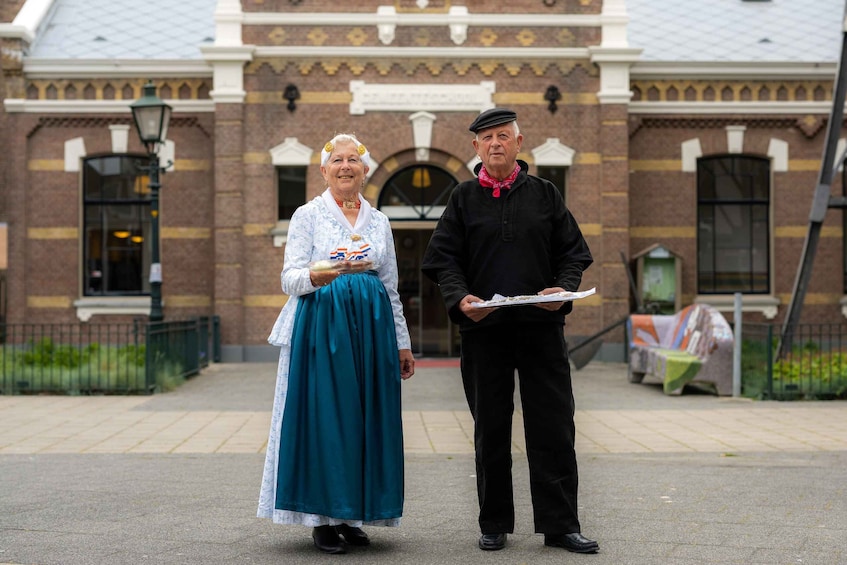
(509, 233)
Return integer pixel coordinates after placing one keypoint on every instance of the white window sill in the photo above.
(280, 233)
(111, 305)
(765, 304)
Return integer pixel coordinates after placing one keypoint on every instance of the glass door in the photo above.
(432, 332)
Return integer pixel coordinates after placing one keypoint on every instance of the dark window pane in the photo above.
(291, 190)
(416, 193)
(733, 249)
(556, 175)
(116, 227)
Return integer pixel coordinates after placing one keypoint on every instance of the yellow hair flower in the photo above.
(361, 149)
(328, 147)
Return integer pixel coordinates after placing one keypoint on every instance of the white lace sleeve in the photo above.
(298, 253)
(389, 277)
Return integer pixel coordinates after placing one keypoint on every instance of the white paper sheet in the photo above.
(566, 296)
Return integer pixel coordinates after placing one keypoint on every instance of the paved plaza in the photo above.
(174, 477)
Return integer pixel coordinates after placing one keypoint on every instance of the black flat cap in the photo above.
(491, 118)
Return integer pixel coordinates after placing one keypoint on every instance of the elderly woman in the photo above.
(335, 451)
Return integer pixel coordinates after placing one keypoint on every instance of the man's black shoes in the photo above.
(492, 542)
(574, 542)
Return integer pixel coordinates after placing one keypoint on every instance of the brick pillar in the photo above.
(229, 221)
(614, 198)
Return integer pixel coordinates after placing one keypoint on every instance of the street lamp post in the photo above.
(151, 116)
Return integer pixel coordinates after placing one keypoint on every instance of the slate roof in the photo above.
(125, 29)
(667, 30)
(789, 31)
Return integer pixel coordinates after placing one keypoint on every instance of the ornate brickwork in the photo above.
(103, 122)
(434, 67)
(115, 89)
(420, 36)
(731, 91)
(809, 125)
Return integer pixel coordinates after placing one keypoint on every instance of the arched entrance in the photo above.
(414, 198)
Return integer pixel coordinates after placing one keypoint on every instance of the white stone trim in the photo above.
(26, 22)
(839, 151)
(760, 70)
(473, 163)
(386, 18)
(553, 153)
(291, 152)
(20, 105)
(115, 68)
(422, 133)
(74, 152)
(87, 307)
(228, 64)
(843, 303)
(778, 152)
(120, 137)
(374, 97)
(691, 151)
(329, 19)
(228, 20)
(735, 138)
(458, 19)
(167, 156)
(800, 109)
(498, 53)
(614, 66)
(767, 305)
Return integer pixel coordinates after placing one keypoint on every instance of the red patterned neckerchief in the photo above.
(488, 181)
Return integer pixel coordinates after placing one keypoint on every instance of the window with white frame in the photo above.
(116, 226)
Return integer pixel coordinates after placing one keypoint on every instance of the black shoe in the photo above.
(574, 542)
(352, 535)
(327, 540)
(492, 542)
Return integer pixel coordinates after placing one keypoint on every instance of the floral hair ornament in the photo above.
(345, 137)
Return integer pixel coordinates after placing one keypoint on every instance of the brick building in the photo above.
(691, 132)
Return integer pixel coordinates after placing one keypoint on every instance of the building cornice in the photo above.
(21, 106)
(324, 19)
(712, 108)
(114, 68)
(25, 24)
(347, 52)
(759, 70)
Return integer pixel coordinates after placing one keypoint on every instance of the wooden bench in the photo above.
(692, 346)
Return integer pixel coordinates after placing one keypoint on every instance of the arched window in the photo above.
(116, 226)
(733, 226)
(419, 192)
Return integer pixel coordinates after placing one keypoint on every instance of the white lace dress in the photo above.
(319, 230)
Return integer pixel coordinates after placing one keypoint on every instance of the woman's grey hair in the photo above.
(327, 149)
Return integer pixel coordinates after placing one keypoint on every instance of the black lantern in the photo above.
(151, 117)
(291, 94)
(552, 96)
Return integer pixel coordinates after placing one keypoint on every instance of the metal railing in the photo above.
(813, 367)
(101, 358)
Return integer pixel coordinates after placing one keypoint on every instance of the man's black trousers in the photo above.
(490, 357)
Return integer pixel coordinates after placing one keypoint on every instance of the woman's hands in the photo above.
(407, 363)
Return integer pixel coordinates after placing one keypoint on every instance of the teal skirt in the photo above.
(341, 441)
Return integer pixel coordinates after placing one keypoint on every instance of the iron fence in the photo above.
(813, 364)
(102, 358)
